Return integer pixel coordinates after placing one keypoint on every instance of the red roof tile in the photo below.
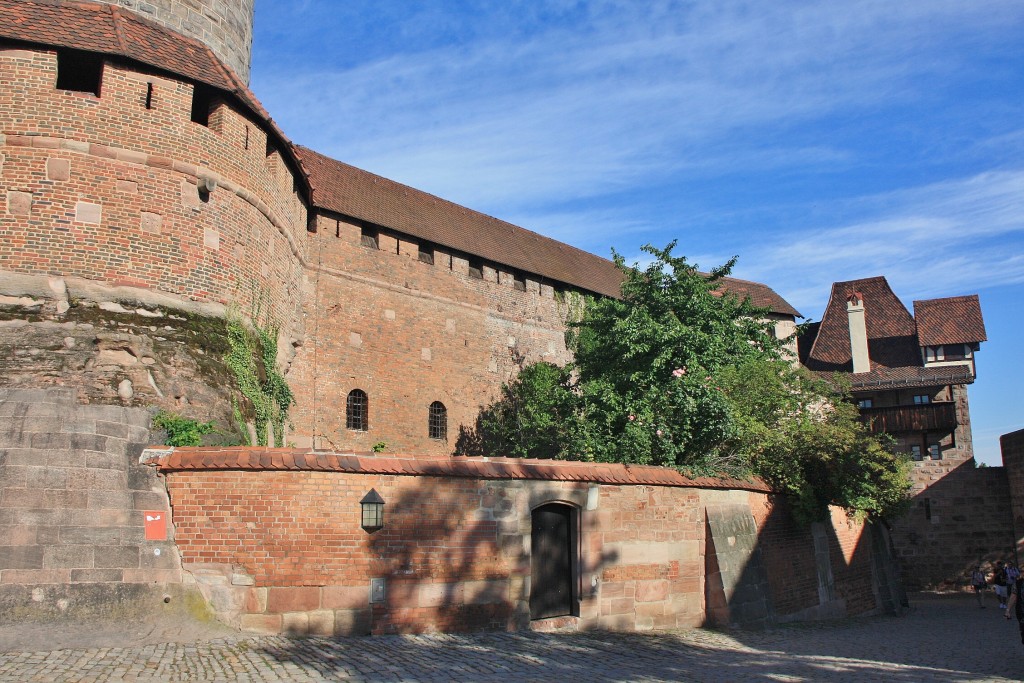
(344, 189)
(255, 459)
(109, 30)
(953, 320)
(892, 334)
(895, 338)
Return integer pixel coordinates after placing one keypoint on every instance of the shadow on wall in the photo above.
(962, 520)
(771, 570)
(451, 567)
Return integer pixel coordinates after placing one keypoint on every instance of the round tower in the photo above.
(223, 25)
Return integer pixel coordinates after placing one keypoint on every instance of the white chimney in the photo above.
(858, 333)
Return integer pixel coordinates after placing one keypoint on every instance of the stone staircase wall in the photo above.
(72, 504)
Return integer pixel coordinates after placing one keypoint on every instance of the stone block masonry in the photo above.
(72, 503)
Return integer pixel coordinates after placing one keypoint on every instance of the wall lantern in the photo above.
(373, 511)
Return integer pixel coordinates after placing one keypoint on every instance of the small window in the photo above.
(426, 254)
(79, 71)
(357, 411)
(915, 453)
(954, 352)
(203, 101)
(476, 268)
(922, 399)
(437, 421)
(934, 451)
(369, 237)
(927, 508)
(149, 95)
(866, 403)
(519, 281)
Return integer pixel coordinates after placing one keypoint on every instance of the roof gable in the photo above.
(953, 320)
(892, 334)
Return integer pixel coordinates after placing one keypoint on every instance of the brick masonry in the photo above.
(1012, 446)
(282, 550)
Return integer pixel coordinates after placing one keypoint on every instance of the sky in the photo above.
(816, 141)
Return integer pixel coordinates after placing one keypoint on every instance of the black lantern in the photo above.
(373, 511)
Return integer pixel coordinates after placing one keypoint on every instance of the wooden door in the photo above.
(551, 593)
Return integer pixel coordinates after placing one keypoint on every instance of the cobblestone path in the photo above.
(943, 638)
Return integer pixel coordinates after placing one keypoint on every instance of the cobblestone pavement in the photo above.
(943, 638)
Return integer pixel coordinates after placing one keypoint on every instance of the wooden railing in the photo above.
(930, 417)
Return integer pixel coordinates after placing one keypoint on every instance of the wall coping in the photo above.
(257, 459)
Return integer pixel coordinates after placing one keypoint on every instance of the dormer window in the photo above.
(922, 399)
(369, 237)
(947, 352)
(476, 268)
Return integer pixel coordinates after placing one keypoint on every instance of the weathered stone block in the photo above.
(19, 203)
(68, 557)
(345, 597)
(121, 557)
(58, 169)
(261, 623)
(21, 557)
(96, 575)
(293, 599)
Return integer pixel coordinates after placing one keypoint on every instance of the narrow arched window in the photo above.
(437, 421)
(357, 411)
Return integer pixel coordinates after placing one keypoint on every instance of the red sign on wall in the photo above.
(155, 522)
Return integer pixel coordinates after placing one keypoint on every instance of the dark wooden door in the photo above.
(551, 544)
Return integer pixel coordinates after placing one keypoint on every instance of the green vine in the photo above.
(266, 396)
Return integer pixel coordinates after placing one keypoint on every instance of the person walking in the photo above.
(979, 582)
(1015, 605)
(999, 581)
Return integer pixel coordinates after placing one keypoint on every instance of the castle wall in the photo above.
(73, 499)
(409, 333)
(284, 551)
(1012, 446)
(108, 189)
(223, 25)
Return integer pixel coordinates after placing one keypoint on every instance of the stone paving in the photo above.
(943, 638)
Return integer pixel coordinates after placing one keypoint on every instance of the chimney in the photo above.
(858, 333)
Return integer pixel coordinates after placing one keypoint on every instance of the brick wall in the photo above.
(276, 541)
(107, 189)
(410, 333)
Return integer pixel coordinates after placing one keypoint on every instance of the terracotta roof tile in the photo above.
(344, 189)
(892, 334)
(109, 30)
(262, 459)
(953, 320)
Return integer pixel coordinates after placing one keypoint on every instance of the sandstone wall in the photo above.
(1012, 446)
(224, 25)
(72, 504)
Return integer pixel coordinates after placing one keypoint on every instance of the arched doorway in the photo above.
(553, 564)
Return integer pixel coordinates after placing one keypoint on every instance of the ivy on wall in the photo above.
(265, 394)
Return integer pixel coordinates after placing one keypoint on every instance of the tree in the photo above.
(679, 373)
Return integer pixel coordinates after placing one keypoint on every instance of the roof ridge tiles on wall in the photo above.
(305, 460)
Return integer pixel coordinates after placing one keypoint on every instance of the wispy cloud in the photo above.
(937, 240)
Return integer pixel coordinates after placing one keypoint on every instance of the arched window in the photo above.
(357, 411)
(437, 421)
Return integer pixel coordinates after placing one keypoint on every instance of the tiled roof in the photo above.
(290, 459)
(954, 320)
(892, 334)
(344, 189)
(109, 30)
(337, 187)
(908, 377)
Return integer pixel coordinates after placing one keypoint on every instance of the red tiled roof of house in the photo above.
(907, 377)
(292, 459)
(953, 320)
(892, 334)
(109, 30)
(344, 189)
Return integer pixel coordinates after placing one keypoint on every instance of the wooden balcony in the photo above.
(931, 417)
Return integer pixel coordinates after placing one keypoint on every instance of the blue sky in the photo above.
(818, 141)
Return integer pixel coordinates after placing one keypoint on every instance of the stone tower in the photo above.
(224, 25)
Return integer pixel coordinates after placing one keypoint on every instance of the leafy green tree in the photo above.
(679, 373)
